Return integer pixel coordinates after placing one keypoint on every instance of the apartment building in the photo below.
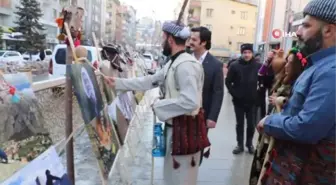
(274, 18)
(285, 15)
(119, 25)
(50, 10)
(111, 20)
(128, 16)
(232, 23)
(93, 19)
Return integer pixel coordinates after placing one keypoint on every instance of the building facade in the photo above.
(119, 25)
(283, 15)
(145, 29)
(128, 26)
(92, 20)
(232, 23)
(111, 21)
(50, 10)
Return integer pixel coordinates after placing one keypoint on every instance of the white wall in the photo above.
(298, 5)
(279, 17)
(260, 23)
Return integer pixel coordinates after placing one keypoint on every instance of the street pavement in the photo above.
(222, 167)
(133, 166)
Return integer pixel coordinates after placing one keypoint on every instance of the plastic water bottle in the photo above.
(159, 149)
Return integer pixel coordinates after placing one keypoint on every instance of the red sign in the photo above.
(276, 33)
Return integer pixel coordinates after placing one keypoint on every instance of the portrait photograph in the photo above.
(86, 90)
(46, 169)
(104, 140)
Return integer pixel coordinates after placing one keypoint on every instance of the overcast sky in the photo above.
(163, 9)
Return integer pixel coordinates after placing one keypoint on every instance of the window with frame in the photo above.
(209, 12)
(243, 15)
(241, 31)
(233, 12)
(13, 54)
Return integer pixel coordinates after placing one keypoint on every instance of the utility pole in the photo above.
(73, 20)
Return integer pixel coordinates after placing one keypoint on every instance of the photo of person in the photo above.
(46, 169)
(24, 135)
(86, 90)
(104, 140)
(51, 178)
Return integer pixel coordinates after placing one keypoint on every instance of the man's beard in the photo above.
(167, 50)
(312, 44)
(189, 50)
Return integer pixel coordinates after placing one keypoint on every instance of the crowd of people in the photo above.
(296, 143)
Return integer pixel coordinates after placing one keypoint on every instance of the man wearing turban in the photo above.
(304, 132)
(182, 78)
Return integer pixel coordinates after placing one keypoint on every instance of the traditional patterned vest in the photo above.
(172, 88)
(189, 131)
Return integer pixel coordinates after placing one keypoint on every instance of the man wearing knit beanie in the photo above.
(305, 129)
(241, 81)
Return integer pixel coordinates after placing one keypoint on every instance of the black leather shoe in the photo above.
(251, 149)
(238, 150)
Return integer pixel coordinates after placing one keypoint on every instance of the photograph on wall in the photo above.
(122, 125)
(119, 120)
(131, 95)
(107, 91)
(125, 105)
(86, 90)
(22, 125)
(46, 169)
(104, 140)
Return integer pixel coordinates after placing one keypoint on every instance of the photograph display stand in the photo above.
(121, 167)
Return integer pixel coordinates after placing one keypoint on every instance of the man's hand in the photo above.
(270, 55)
(110, 81)
(210, 123)
(272, 99)
(260, 126)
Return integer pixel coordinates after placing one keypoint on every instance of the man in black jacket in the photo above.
(242, 81)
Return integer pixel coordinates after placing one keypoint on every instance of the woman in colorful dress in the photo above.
(287, 71)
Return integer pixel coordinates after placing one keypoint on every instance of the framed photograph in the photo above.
(44, 170)
(105, 141)
(86, 90)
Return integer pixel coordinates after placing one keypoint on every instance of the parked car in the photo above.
(36, 55)
(10, 56)
(150, 65)
(58, 59)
